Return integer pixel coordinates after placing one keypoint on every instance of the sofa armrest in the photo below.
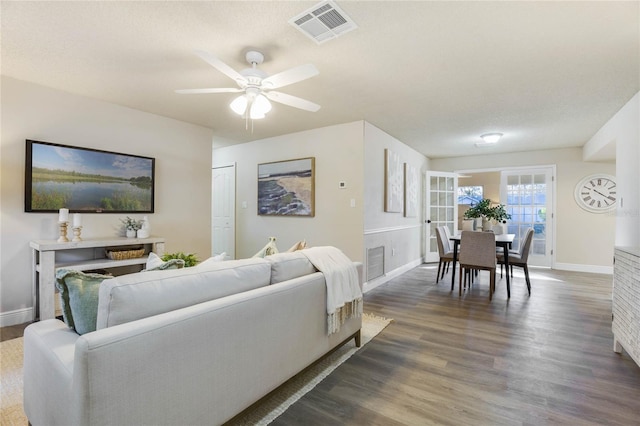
(49, 348)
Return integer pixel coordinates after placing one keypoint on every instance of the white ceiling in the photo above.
(434, 75)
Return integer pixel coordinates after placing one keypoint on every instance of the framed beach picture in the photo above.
(394, 180)
(286, 188)
(86, 180)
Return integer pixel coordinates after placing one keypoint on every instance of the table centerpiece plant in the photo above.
(496, 215)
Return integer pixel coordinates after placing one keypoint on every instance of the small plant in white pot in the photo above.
(131, 226)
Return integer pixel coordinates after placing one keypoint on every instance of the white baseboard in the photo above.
(370, 285)
(576, 267)
(19, 316)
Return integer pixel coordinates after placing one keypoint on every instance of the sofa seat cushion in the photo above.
(287, 266)
(131, 297)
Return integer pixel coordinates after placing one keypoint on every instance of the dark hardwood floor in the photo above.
(543, 359)
(12, 331)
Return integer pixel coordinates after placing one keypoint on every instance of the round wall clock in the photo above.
(596, 193)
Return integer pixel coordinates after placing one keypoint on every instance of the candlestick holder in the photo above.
(76, 233)
(63, 232)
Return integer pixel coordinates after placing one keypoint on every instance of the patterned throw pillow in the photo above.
(269, 249)
(79, 295)
(154, 263)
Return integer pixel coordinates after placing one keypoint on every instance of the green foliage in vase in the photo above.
(499, 214)
(483, 208)
(480, 209)
(190, 259)
(131, 224)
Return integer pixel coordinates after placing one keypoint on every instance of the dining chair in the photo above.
(519, 257)
(478, 254)
(444, 251)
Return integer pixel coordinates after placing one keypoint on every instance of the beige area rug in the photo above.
(11, 412)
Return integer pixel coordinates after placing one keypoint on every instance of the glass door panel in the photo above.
(442, 209)
(529, 195)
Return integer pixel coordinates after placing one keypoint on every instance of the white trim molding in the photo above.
(391, 229)
(576, 267)
(19, 316)
(370, 285)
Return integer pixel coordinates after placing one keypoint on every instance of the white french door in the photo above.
(528, 196)
(223, 198)
(441, 209)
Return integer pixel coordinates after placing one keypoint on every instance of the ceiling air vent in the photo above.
(323, 22)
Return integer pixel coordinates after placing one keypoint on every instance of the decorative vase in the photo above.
(131, 233)
(467, 224)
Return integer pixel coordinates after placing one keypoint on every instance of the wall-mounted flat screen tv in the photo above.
(87, 180)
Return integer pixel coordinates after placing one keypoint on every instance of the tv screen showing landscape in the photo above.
(87, 180)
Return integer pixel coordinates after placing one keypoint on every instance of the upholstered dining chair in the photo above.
(478, 253)
(519, 257)
(444, 251)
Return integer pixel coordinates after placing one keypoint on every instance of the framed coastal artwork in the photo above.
(86, 180)
(394, 180)
(410, 190)
(287, 188)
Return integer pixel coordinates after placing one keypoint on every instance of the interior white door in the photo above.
(441, 208)
(223, 211)
(528, 196)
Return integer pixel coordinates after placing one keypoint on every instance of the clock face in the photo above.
(597, 193)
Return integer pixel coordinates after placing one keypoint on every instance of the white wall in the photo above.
(338, 152)
(623, 130)
(584, 241)
(183, 177)
(402, 237)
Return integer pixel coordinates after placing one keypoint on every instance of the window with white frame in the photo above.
(470, 194)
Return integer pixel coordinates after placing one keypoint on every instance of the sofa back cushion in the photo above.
(287, 266)
(131, 297)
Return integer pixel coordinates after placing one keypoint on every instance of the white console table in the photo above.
(49, 255)
(626, 301)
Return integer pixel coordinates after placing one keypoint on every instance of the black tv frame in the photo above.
(67, 172)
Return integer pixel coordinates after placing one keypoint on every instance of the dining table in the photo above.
(502, 240)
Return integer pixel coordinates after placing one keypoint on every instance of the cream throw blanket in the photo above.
(344, 297)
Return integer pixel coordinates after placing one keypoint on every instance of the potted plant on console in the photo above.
(131, 226)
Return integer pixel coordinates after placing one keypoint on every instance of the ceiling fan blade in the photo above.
(293, 101)
(212, 90)
(290, 76)
(220, 66)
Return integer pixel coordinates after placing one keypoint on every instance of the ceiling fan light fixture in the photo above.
(491, 138)
(239, 105)
(261, 105)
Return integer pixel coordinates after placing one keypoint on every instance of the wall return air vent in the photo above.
(323, 22)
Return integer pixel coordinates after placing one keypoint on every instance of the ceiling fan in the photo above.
(258, 86)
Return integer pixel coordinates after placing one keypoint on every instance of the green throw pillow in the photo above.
(79, 295)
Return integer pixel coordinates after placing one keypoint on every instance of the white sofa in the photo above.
(193, 346)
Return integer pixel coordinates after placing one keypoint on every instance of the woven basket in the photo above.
(119, 254)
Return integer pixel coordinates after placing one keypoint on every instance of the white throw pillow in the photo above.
(153, 261)
(213, 259)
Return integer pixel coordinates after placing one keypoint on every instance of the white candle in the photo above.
(64, 215)
(77, 220)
